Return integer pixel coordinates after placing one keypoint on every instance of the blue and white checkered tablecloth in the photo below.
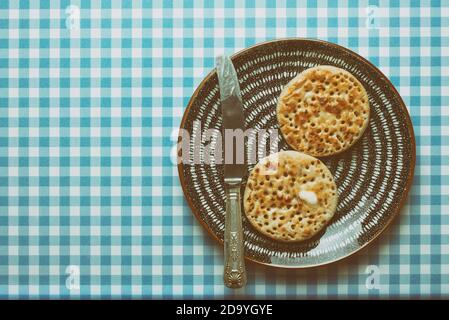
(91, 96)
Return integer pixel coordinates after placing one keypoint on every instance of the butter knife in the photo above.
(232, 112)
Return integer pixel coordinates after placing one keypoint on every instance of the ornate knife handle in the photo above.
(234, 269)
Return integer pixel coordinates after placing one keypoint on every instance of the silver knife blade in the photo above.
(232, 113)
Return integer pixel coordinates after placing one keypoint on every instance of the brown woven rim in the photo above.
(409, 126)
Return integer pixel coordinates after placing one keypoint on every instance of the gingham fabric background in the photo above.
(88, 108)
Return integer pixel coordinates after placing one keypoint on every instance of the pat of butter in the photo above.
(308, 196)
(308, 96)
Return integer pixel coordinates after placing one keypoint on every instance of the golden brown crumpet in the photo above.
(290, 196)
(323, 111)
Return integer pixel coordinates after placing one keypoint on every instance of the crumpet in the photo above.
(290, 196)
(323, 111)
